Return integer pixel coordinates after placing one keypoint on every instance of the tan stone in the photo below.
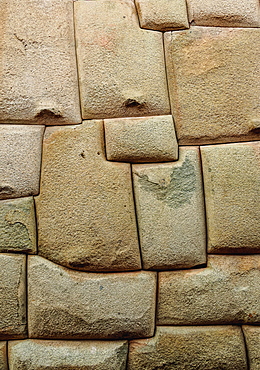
(121, 67)
(208, 347)
(232, 191)
(214, 85)
(252, 338)
(85, 210)
(225, 292)
(3, 356)
(20, 160)
(170, 212)
(12, 296)
(142, 139)
(37, 63)
(66, 304)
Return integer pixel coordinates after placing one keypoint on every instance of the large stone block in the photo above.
(252, 338)
(3, 356)
(232, 190)
(86, 216)
(214, 85)
(66, 304)
(121, 67)
(170, 212)
(225, 292)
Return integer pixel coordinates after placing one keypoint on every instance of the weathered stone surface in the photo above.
(61, 355)
(3, 356)
(170, 212)
(144, 139)
(252, 337)
(183, 348)
(17, 225)
(12, 296)
(86, 217)
(232, 191)
(69, 304)
(163, 15)
(214, 85)
(20, 160)
(121, 67)
(225, 292)
(37, 63)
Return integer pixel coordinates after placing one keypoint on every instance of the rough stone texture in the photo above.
(227, 291)
(3, 356)
(17, 225)
(86, 217)
(214, 85)
(38, 64)
(163, 15)
(232, 192)
(20, 160)
(76, 305)
(185, 348)
(12, 296)
(252, 338)
(121, 67)
(61, 355)
(144, 139)
(170, 212)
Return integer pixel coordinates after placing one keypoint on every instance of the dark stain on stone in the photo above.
(46, 114)
(255, 131)
(132, 103)
(8, 190)
(82, 154)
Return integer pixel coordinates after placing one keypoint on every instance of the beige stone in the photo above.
(208, 347)
(12, 296)
(252, 338)
(20, 160)
(66, 304)
(142, 139)
(214, 85)
(225, 292)
(3, 356)
(162, 15)
(170, 212)
(232, 191)
(85, 210)
(121, 67)
(69, 355)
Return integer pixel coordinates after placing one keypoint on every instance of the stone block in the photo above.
(225, 292)
(170, 212)
(213, 83)
(252, 338)
(208, 347)
(85, 210)
(232, 191)
(66, 304)
(20, 160)
(38, 72)
(121, 67)
(144, 139)
(17, 225)
(3, 356)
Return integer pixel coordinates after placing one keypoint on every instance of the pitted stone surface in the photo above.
(142, 139)
(3, 356)
(214, 85)
(252, 337)
(232, 191)
(225, 292)
(121, 67)
(170, 212)
(66, 304)
(85, 211)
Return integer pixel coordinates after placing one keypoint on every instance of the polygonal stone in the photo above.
(20, 160)
(214, 85)
(142, 139)
(170, 212)
(225, 292)
(208, 347)
(3, 356)
(232, 190)
(252, 337)
(121, 67)
(38, 63)
(76, 305)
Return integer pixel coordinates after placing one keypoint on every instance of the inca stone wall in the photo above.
(129, 184)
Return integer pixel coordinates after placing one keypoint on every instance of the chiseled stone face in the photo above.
(225, 292)
(232, 191)
(76, 305)
(170, 212)
(3, 356)
(214, 85)
(252, 338)
(205, 347)
(59, 355)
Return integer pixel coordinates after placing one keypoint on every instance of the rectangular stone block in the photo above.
(252, 338)
(3, 356)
